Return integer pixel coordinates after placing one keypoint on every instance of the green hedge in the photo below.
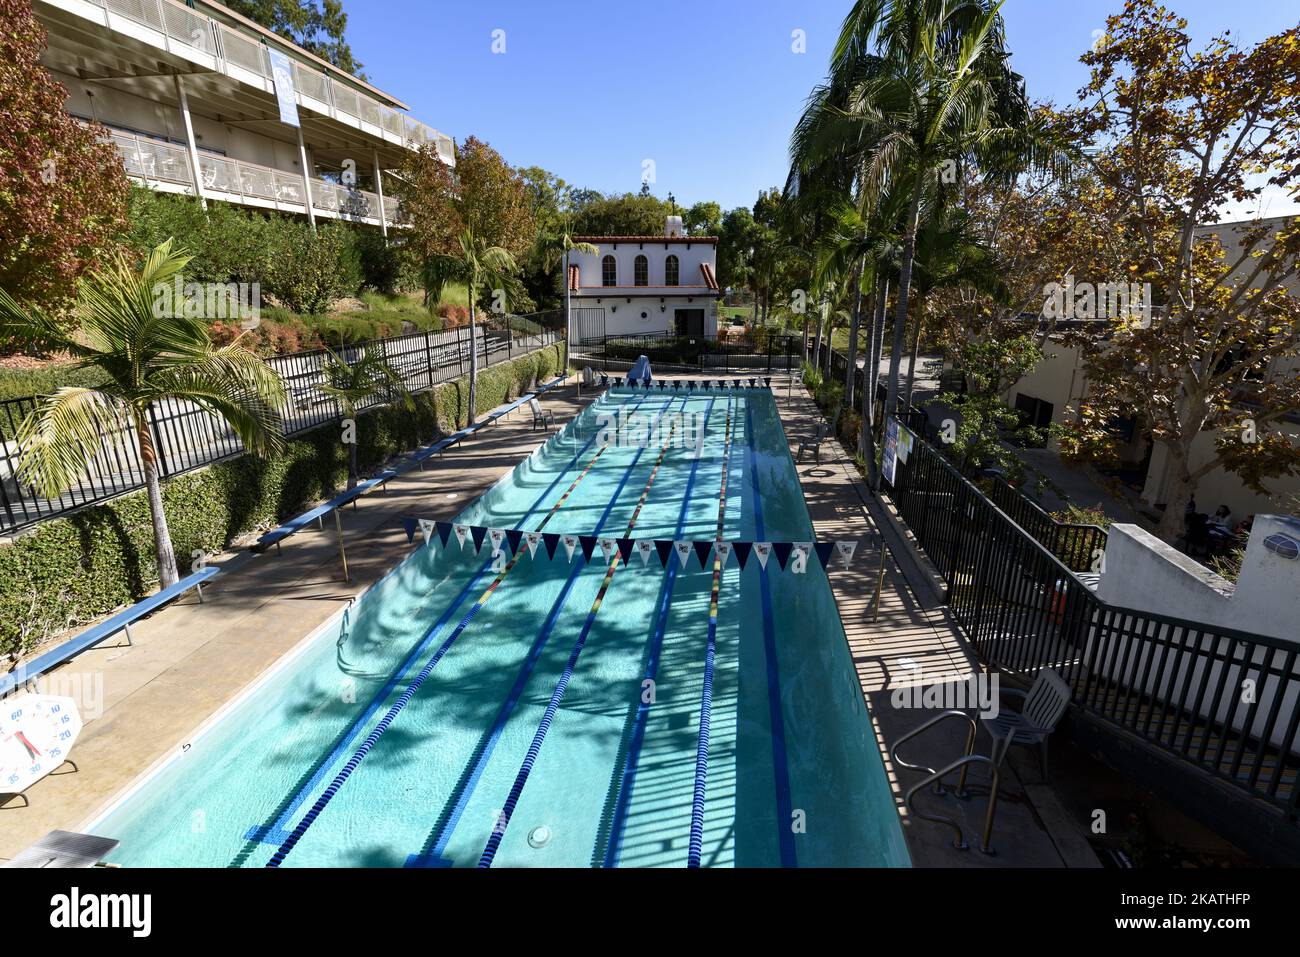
(72, 570)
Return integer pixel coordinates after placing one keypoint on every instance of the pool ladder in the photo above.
(936, 777)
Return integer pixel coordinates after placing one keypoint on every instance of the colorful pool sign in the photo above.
(36, 733)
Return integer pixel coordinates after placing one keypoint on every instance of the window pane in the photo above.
(670, 271)
(641, 271)
(609, 271)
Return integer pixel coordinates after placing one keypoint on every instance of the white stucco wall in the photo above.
(1183, 666)
(689, 255)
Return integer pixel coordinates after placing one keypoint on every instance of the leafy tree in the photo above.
(318, 27)
(626, 215)
(62, 188)
(703, 219)
(992, 364)
(308, 270)
(146, 354)
(1184, 133)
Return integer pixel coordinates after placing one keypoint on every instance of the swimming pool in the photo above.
(562, 710)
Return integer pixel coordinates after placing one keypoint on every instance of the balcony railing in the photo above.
(247, 183)
(199, 33)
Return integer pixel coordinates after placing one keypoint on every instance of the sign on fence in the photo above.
(890, 457)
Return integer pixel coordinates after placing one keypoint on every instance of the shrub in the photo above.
(227, 244)
(307, 271)
(71, 570)
(382, 263)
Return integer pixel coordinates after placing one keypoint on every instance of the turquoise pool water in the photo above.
(442, 681)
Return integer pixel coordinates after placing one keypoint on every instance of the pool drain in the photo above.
(539, 835)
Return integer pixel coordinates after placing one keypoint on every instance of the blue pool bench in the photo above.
(122, 621)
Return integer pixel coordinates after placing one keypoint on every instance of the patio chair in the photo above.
(543, 417)
(1044, 704)
(814, 444)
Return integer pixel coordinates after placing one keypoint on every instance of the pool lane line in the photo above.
(521, 779)
(359, 755)
(614, 841)
(441, 837)
(780, 760)
(274, 833)
(696, 845)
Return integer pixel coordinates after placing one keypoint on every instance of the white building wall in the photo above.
(689, 257)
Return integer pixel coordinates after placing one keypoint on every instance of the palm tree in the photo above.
(554, 246)
(480, 267)
(351, 383)
(937, 92)
(148, 352)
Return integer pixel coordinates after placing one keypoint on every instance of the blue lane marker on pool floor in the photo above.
(614, 847)
(275, 833)
(780, 765)
(434, 857)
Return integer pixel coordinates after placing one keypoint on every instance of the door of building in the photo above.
(689, 322)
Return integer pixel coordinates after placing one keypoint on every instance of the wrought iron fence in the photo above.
(186, 437)
(674, 353)
(1177, 684)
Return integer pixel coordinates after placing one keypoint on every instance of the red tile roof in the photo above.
(709, 279)
(645, 239)
(573, 277)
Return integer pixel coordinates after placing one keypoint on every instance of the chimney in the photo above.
(673, 226)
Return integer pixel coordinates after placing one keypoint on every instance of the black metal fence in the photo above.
(673, 353)
(186, 437)
(1178, 684)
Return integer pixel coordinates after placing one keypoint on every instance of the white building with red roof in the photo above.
(645, 285)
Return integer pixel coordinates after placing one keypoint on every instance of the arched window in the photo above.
(641, 271)
(608, 271)
(671, 271)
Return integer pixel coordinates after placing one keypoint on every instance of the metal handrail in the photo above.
(963, 762)
(970, 746)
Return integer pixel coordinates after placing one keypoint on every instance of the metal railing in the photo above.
(1175, 683)
(1079, 546)
(186, 437)
(151, 160)
(198, 32)
(668, 352)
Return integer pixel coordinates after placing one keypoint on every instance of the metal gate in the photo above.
(588, 325)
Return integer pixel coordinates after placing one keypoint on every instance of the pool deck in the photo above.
(914, 637)
(189, 659)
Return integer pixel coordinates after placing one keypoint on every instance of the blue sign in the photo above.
(890, 456)
(282, 71)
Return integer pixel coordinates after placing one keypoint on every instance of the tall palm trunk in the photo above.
(878, 315)
(816, 361)
(352, 461)
(162, 540)
(904, 288)
(473, 357)
(851, 373)
(916, 348)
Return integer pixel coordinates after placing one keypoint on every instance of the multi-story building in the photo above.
(645, 285)
(189, 93)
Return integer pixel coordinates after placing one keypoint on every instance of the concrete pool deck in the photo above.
(189, 659)
(915, 642)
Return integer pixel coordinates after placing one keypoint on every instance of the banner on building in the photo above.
(282, 72)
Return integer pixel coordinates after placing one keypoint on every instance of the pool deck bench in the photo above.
(121, 622)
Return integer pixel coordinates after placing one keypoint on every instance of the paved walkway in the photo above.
(189, 658)
(914, 642)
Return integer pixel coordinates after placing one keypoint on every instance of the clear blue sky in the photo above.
(709, 90)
